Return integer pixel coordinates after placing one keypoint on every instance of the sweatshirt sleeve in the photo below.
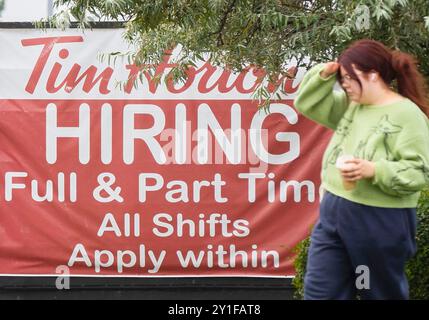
(410, 173)
(317, 100)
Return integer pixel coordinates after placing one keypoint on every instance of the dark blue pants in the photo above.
(349, 235)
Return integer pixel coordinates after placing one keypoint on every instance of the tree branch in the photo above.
(223, 22)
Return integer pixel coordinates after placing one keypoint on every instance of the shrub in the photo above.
(417, 269)
(300, 267)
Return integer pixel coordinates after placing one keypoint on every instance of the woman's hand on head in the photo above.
(358, 169)
(330, 68)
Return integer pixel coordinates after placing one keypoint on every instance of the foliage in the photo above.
(300, 264)
(262, 33)
(418, 268)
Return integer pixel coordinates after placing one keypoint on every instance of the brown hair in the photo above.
(370, 55)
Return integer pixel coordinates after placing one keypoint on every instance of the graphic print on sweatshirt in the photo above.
(343, 130)
(402, 181)
(370, 145)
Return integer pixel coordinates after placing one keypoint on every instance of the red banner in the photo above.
(150, 180)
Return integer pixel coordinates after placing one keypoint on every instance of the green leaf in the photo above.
(426, 22)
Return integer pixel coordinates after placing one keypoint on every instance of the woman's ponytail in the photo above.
(411, 82)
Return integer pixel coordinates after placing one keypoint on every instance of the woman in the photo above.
(368, 212)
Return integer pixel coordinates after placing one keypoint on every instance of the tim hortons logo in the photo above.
(207, 75)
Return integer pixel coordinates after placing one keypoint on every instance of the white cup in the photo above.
(342, 165)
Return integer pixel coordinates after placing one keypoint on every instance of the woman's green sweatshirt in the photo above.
(394, 136)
